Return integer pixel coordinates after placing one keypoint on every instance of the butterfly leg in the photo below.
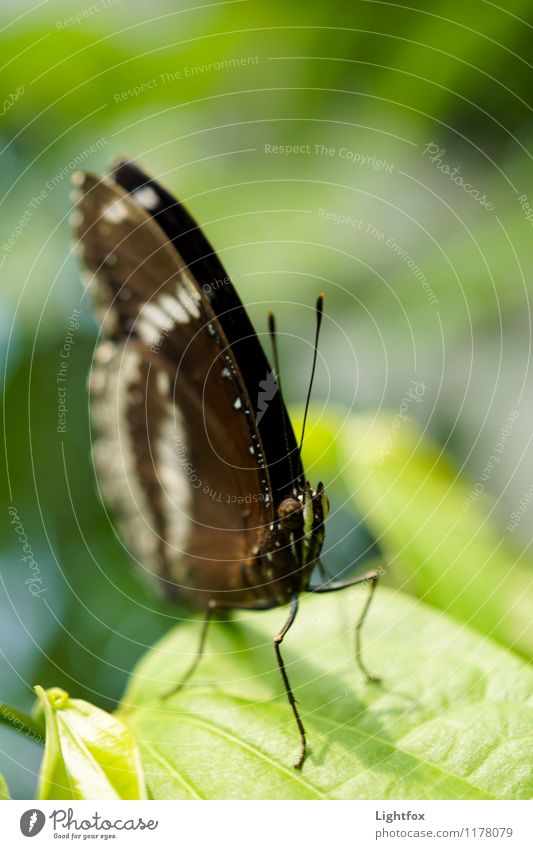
(198, 656)
(292, 701)
(201, 645)
(370, 578)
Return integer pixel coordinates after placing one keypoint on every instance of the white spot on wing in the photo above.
(104, 353)
(97, 381)
(157, 317)
(114, 455)
(148, 333)
(163, 382)
(76, 219)
(102, 296)
(153, 324)
(174, 308)
(115, 212)
(88, 278)
(188, 302)
(189, 284)
(174, 480)
(146, 197)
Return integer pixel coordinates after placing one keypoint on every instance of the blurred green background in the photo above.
(322, 149)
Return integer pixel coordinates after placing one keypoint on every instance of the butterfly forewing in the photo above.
(179, 456)
(282, 455)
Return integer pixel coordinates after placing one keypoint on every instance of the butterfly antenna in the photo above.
(275, 356)
(319, 314)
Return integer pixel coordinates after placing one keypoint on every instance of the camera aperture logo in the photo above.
(32, 822)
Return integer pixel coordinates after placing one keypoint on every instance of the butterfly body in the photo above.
(195, 453)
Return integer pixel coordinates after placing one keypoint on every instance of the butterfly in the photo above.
(195, 453)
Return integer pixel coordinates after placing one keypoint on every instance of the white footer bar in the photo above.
(269, 825)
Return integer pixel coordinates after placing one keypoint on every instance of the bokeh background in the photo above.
(322, 148)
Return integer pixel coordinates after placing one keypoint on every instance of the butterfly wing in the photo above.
(281, 450)
(179, 457)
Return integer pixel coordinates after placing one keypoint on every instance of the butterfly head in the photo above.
(301, 517)
(291, 514)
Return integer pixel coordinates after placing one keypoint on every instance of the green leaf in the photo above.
(4, 792)
(452, 713)
(89, 754)
(434, 530)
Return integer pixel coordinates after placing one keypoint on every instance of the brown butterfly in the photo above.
(196, 454)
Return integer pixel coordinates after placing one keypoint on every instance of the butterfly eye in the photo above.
(290, 512)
